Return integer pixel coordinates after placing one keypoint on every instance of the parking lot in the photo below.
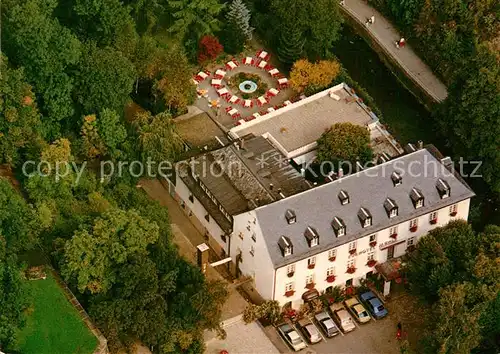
(376, 336)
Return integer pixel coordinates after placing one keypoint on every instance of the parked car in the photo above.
(326, 323)
(342, 317)
(309, 330)
(373, 304)
(357, 310)
(291, 337)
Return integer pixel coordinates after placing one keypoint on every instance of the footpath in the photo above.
(386, 35)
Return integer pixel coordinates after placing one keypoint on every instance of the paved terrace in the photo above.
(386, 35)
(296, 128)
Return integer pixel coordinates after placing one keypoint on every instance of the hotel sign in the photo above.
(390, 243)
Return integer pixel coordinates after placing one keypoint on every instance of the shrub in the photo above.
(209, 48)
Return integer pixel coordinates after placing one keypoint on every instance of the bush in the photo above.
(209, 48)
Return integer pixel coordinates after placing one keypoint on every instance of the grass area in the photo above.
(54, 326)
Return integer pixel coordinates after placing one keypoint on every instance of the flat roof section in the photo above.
(304, 121)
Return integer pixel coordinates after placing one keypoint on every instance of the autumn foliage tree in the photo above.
(209, 48)
(345, 142)
(455, 270)
(313, 76)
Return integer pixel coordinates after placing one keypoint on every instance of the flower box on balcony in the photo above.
(371, 263)
(453, 213)
(289, 293)
(332, 259)
(310, 285)
(352, 251)
(433, 221)
(311, 266)
(373, 243)
(291, 274)
(394, 236)
(330, 278)
(351, 270)
(413, 228)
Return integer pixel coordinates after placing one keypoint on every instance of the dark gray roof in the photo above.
(241, 177)
(369, 189)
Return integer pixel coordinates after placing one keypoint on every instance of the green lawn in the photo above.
(54, 326)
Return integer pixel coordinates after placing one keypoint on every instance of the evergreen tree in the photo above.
(240, 15)
(290, 46)
(232, 38)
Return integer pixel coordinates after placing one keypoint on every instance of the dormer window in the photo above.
(443, 188)
(365, 217)
(338, 226)
(396, 179)
(344, 197)
(290, 216)
(286, 246)
(417, 198)
(311, 236)
(391, 207)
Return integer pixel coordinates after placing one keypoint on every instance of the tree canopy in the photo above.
(344, 142)
(456, 271)
(319, 22)
(313, 77)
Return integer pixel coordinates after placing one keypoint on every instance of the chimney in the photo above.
(202, 255)
(279, 190)
(236, 145)
(420, 144)
(341, 172)
(271, 186)
(242, 143)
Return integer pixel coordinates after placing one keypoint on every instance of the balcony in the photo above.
(394, 236)
(413, 228)
(371, 263)
(373, 243)
(453, 213)
(332, 259)
(353, 251)
(330, 278)
(289, 293)
(290, 274)
(433, 221)
(311, 266)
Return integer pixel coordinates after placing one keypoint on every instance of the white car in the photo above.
(342, 317)
(292, 337)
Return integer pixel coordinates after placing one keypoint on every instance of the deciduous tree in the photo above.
(105, 79)
(157, 138)
(34, 39)
(344, 142)
(94, 256)
(209, 48)
(20, 123)
(313, 77)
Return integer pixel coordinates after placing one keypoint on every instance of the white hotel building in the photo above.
(294, 238)
(333, 234)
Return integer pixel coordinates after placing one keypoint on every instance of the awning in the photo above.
(310, 295)
(390, 270)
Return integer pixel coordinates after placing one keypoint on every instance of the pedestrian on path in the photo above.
(370, 21)
(400, 330)
(342, 2)
(401, 43)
